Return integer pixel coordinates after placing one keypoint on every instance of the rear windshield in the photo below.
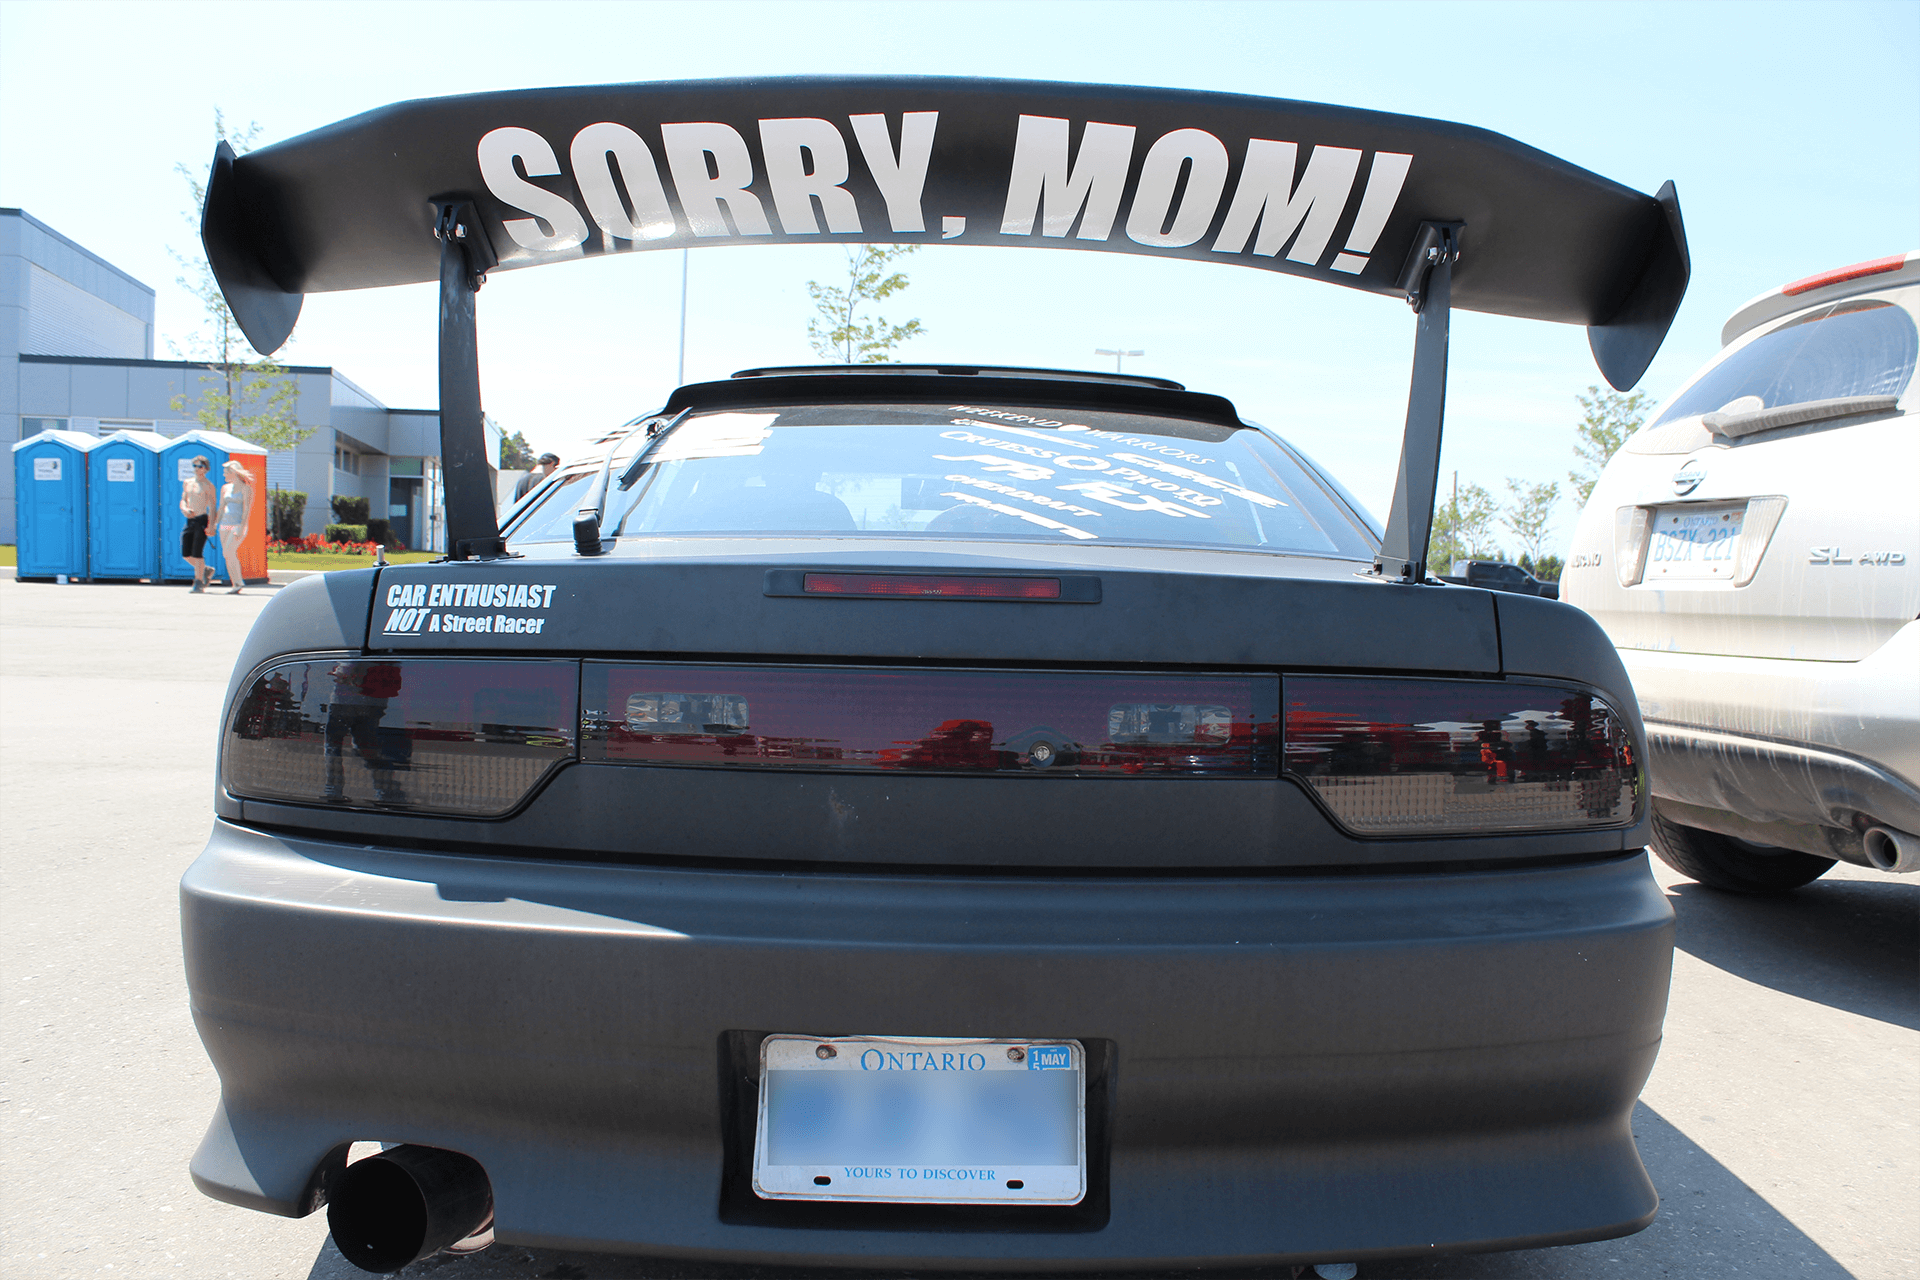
(1855, 348)
(960, 471)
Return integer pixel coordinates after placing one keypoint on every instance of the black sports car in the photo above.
(927, 816)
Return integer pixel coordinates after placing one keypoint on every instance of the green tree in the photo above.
(515, 453)
(254, 399)
(1528, 514)
(1607, 418)
(1463, 528)
(1546, 568)
(838, 333)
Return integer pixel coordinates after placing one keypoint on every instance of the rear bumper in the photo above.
(1803, 755)
(1299, 1067)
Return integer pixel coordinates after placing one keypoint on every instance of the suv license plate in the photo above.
(1695, 543)
(915, 1120)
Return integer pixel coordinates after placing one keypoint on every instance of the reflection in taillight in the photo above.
(686, 713)
(469, 737)
(1072, 723)
(1423, 757)
(1135, 722)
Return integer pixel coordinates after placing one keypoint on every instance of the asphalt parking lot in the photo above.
(1779, 1125)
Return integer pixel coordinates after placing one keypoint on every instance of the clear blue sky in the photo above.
(1792, 131)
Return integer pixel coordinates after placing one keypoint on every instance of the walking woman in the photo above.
(236, 508)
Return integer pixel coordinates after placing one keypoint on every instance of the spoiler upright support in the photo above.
(473, 530)
(1428, 281)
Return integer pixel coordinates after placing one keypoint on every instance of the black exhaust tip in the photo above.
(405, 1204)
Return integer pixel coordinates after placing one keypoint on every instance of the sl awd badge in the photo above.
(1688, 477)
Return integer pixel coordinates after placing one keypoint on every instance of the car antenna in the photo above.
(586, 521)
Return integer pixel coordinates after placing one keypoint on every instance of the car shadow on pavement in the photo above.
(1712, 1226)
(1849, 944)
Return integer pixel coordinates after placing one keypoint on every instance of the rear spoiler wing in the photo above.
(1441, 214)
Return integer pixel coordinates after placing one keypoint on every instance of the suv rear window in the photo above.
(1861, 347)
(965, 471)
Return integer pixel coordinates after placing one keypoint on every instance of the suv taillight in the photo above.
(1076, 723)
(469, 737)
(1427, 757)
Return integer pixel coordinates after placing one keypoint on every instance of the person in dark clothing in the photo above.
(541, 470)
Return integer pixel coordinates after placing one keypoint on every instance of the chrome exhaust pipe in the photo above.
(408, 1203)
(1891, 850)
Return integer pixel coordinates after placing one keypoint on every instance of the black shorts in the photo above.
(193, 538)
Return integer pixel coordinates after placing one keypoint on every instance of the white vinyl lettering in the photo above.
(596, 150)
(1118, 494)
(546, 599)
(1042, 181)
(1160, 174)
(497, 153)
(1006, 466)
(900, 178)
(1313, 207)
(1029, 516)
(787, 145)
(1384, 180)
(701, 192)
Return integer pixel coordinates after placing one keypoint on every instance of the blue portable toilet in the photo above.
(176, 468)
(123, 505)
(50, 503)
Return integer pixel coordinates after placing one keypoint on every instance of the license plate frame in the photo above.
(1695, 542)
(901, 1063)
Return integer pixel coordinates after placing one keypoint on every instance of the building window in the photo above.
(346, 460)
(34, 426)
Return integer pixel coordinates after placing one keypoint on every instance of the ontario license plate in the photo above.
(921, 1121)
(1695, 543)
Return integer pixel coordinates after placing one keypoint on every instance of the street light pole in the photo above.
(1117, 354)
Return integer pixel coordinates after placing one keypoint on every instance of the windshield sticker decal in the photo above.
(417, 608)
(1198, 477)
(1024, 495)
(1028, 516)
(1108, 491)
(716, 435)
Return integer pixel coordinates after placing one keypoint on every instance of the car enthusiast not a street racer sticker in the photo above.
(466, 608)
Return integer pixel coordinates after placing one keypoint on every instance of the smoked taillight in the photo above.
(1070, 723)
(1391, 757)
(467, 737)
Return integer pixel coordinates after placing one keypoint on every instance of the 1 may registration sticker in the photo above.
(490, 608)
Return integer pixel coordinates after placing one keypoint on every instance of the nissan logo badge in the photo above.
(1688, 478)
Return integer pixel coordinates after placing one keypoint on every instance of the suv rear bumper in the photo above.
(1800, 754)
(1300, 1067)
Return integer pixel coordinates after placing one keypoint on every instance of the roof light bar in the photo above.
(1840, 275)
(953, 588)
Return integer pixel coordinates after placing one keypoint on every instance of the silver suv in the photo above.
(1752, 553)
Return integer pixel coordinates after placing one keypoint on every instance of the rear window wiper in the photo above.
(1793, 415)
(586, 521)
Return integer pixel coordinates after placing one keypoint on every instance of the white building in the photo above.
(76, 353)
